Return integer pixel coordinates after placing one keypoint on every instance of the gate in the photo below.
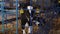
(29, 17)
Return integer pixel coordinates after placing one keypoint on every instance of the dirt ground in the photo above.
(11, 28)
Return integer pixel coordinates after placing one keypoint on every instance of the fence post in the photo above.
(2, 8)
(16, 16)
